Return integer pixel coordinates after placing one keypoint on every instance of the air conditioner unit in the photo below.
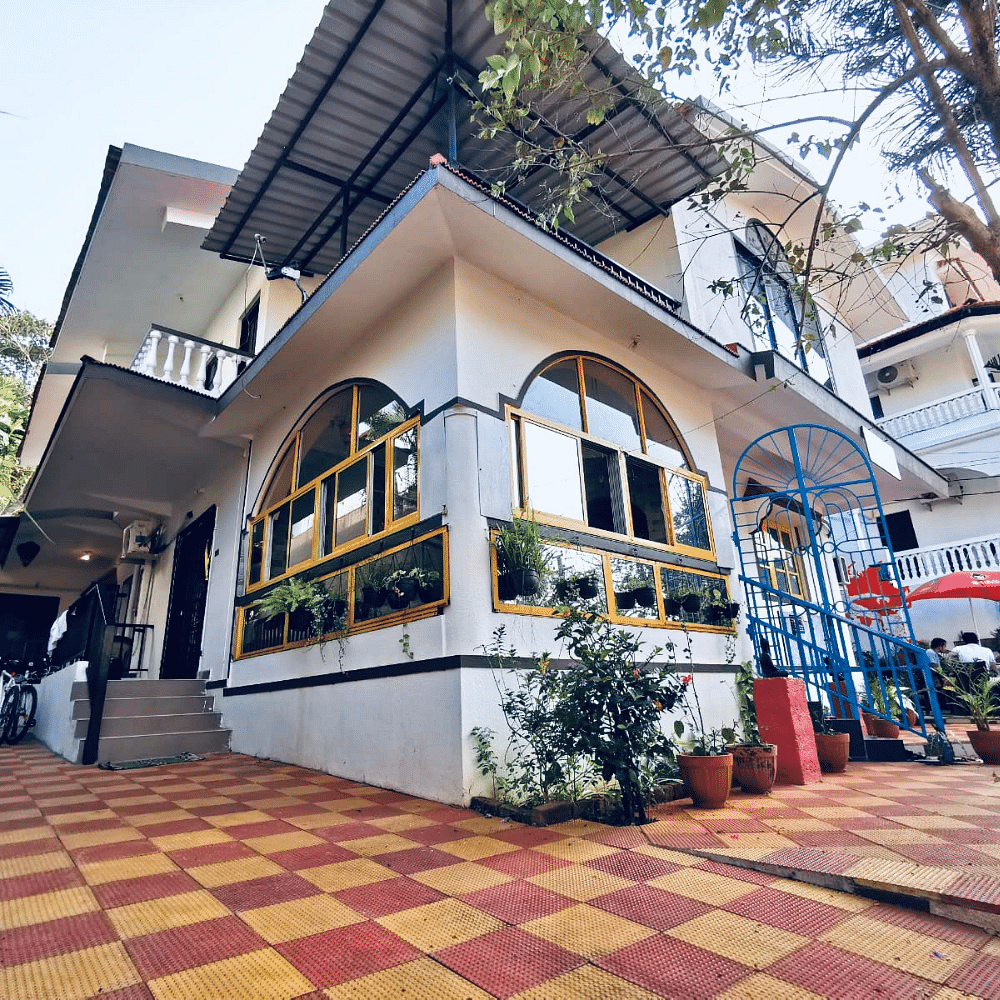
(893, 376)
(137, 540)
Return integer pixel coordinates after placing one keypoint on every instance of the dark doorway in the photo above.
(25, 621)
(188, 590)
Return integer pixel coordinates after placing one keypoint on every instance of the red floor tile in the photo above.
(450, 814)
(374, 812)
(346, 953)
(348, 831)
(675, 969)
(924, 923)
(266, 828)
(25, 848)
(811, 859)
(979, 891)
(54, 937)
(170, 951)
(264, 891)
(736, 872)
(523, 863)
(638, 867)
(526, 836)
(508, 961)
(694, 841)
(139, 890)
(801, 916)
(835, 973)
(517, 902)
(137, 991)
(979, 976)
(35, 884)
(437, 833)
(114, 852)
(311, 857)
(382, 898)
(211, 854)
(173, 827)
(651, 907)
(415, 859)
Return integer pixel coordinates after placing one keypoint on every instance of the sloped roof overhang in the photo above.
(383, 85)
(445, 215)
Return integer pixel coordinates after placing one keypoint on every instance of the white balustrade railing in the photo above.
(921, 565)
(189, 361)
(941, 413)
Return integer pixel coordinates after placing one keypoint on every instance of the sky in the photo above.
(198, 78)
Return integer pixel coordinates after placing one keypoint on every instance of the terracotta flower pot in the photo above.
(707, 779)
(755, 768)
(986, 743)
(833, 751)
(883, 728)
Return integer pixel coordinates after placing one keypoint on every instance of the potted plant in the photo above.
(671, 605)
(973, 688)
(644, 591)
(755, 763)
(430, 586)
(373, 578)
(691, 602)
(707, 767)
(580, 585)
(833, 749)
(401, 587)
(292, 597)
(521, 557)
(887, 704)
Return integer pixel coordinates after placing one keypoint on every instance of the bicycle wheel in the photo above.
(7, 710)
(20, 721)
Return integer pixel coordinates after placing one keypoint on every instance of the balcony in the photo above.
(920, 565)
(948, 419)
(187, 361)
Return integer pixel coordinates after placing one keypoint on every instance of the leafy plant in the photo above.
(701, 742)
(973, 688)
(749, 733)
(519, 546)
(287, 597)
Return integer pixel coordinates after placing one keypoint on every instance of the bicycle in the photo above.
(17, 709)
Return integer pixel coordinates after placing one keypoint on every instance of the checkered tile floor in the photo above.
(240, 879)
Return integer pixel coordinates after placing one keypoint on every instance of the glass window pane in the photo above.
(329, 513)
(634, 589)
(611, 408)
(694, 598)
(379, 411)
(326, 438)
(605, 509)
(278, 532)
(661, 441)
(646, 499)
(256, 552)
(687, 509)
(378, 490)
(555, 395)
(404, 474)
(351, 512)
(552, 467)
(303, 523)
(281, 483)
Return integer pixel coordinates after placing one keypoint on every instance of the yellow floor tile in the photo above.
(151, 819)
(117, 835)
(707, 887)
(665, 854)
(782, 825)
(137, 919)
(901, 836)
(440, 925)
(318, 819)
(75, 975)
(579, 882)
(576, 850)
(805, 890)
(277, 842)
(261, 975)
(344, 805)
(738, 938)
(196, 838)
(134, 800)
(240, 818)
(381, 844)
(228, 872)
(9, 817)
(833, 812)
(68, 800)
(400, 824)
(347, 874)
(32, 864)
(99, 872)
(476, 848)
(26, 910)
(761, 986)
(577, 828)
(587, 931)
(946, 993)
(423, 979)
(928, 821)
(65, 819)
(205, 800)
(299, 918)
(23, 836)
(455, 880)
(485, 825)
(586, 983)
(753, 840)
(905, 876)
(899, 947)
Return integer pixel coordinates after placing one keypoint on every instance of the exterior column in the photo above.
(979, 367)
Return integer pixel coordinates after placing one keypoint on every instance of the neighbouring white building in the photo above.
(418, 363)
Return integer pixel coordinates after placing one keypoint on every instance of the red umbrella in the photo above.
(970, 583)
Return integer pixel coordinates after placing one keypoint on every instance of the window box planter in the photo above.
(625, 600)
(645, 597)
(691, 603)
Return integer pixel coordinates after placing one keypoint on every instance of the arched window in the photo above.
(347, 474)
(595, 449)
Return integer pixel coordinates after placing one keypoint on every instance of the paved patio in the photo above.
(252, 880)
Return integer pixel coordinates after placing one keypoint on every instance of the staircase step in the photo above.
(142, 688)
(151, 725)
(116, 749)
(118, 707)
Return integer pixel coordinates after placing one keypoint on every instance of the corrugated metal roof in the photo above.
(368, 105)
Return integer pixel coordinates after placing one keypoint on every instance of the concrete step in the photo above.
(150, 725)
(142, 688)
(117, 749)
(119, 707)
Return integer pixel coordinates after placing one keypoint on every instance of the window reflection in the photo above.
(611, 407)
(552, 465)
(378, 413)
(352, 502)
(555, 395)
(281, 483)
(687, 507)
(661, 441)
(256, 552)
(303, 521)
(404, 474)
(326, 437)
(278, 533)
(647, 501)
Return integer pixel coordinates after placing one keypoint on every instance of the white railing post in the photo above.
(185, 372)
(227, 361)
(204, 352)
(150, 351)
(168, 363)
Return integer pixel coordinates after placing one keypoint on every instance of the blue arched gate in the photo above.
(824, 597)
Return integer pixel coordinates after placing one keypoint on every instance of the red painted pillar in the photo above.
(783, 719)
